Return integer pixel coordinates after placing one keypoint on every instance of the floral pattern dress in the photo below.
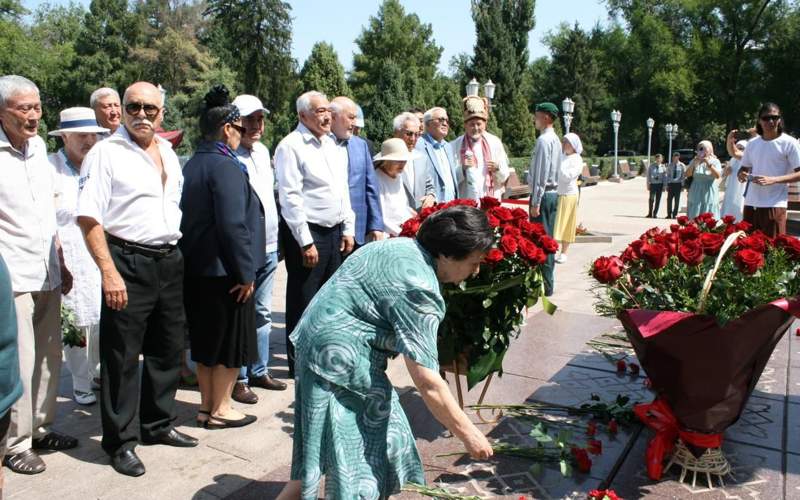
(383, 301)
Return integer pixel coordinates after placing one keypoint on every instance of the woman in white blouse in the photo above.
(567, 211)
(389, 165)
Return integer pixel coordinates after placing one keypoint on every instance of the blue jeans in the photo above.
(265, 278)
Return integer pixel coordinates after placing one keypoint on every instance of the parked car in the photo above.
(622, 152)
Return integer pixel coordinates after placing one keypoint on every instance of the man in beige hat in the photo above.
(480, 154)
(79, 132)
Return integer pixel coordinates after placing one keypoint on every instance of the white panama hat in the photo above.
(78, 121)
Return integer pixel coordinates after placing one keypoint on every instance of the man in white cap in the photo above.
(30, 246)
(255, 156)
(107, 109)
(79, 132)
(480, 154)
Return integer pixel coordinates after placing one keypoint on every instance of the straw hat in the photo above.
(475, 107)
(78, 121)
(394, 150)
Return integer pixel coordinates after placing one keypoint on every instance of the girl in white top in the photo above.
(389, 165)
(567, 212)
(733, 203)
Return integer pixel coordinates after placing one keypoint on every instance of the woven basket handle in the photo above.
(701, 305)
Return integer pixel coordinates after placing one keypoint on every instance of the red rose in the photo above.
(502, 213)
(744, 226)
(749, 261)
(512, 231)
(582, 459)
(756, 241)
(591, 429)
(691, 253)
(689, 233)
(670, 242)
(468, 202)
(607, 269)
(595, 446)
(621, 366)
(493, 221)
(682, 220)
(710, 223)
(728, 219)
(531, 252)
(425, 212)
(674, 228)
(508, 244)
(533, 229)
(488, 202)
(790, 245)
(548, 244)
(519, 214)
(629, 255)
(613, 426)
(711, 242)
(655, 254)
(494, 256)
(410, 227)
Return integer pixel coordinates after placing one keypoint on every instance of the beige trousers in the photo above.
(39, 341)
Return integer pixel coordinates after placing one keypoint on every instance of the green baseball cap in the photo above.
(548, 107)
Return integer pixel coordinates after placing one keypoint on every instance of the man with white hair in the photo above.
(417, 178)
(106, 105)
(30, 245)
(438, 156)
(319, 224)
(364, 191)
(480, 154)
(129, 212)
(78, 130)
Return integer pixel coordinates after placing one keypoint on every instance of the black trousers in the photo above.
(674, 198)
(153, 325)
(303, 282)
(654, 201)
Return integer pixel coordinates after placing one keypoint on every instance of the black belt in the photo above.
(156, 251)
(550, 188)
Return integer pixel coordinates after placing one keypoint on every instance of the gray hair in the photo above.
(402, 118)
(100, 93)
(428, 116)
(338, 104)
(11, 85)
(304, 101)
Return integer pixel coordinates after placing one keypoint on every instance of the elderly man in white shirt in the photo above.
(30, 246)
(256, 158)
(129, 211)
(480, 154)
(315, 205)
(79, 132)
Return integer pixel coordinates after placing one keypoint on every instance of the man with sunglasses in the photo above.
(438, 156)
(416, 176)
(129, 211)
(770, 162)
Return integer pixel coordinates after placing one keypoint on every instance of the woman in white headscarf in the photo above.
(733, 203)
(567, 211)
(705, 170)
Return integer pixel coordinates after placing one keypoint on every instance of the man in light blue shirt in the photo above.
(438, 156)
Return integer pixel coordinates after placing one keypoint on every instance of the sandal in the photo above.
(202, 422)
(54, 441)
(27, 462)
(224, 423)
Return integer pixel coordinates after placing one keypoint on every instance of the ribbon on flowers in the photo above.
(791, 306)
(658, 416)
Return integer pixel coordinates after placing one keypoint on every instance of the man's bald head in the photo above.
(343, 117)
(143, 112)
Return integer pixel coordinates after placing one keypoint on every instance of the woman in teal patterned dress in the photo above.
(706, 171)
(383, 301)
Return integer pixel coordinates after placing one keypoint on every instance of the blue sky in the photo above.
(452, 25)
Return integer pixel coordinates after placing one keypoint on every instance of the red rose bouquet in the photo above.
(485, 311)
(704, 305)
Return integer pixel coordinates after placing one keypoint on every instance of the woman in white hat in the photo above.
(389, 165)
(81, 307)
(567, 211)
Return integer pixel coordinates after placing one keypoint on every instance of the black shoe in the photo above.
(127, 463)
(27, 462)
(243, 394)
(224, 423)
(172, 438)
(267, 382)
(54, 441)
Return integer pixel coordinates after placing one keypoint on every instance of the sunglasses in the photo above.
(150, 110)
(238, 128)
(409, 133)
(770, 118)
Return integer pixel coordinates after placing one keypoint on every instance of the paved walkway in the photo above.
(549, 362)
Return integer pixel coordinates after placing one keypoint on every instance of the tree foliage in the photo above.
(322, 71)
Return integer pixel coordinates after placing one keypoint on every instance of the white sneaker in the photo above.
(561, 258)
(84, 398)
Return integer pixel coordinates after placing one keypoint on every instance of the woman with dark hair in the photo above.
(385, 300)
(770, 162)
(223, 245)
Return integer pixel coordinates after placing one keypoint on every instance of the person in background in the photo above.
(567, 211)
(417, 112)
(676, 174)
(656, 177)
(438, 156)
(770, 162)
(543, 176)
(106, 105)
(79, 132)
(10, 381)
(363, 186)
(255, 156)
(706, 170)
(315, 205)
(389, 164)
(417, 178)
(30, 245)
(358, 126)
(733, 202)
(224, 247)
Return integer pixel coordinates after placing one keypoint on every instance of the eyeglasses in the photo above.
(442, 121)
(411, 133)
(150, 110)
(238, 128)
(770, 118)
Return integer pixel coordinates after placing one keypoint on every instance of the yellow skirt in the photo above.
(566, 218)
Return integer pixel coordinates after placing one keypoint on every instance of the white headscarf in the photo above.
(575, 142)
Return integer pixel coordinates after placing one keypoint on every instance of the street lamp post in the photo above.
(568, 107)
(472, 87)
(488, 90)
(616, 117)
(672, 133)
(650, 124)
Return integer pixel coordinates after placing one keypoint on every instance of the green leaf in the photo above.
(566, 468)
(548, 306)
(487, 303)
